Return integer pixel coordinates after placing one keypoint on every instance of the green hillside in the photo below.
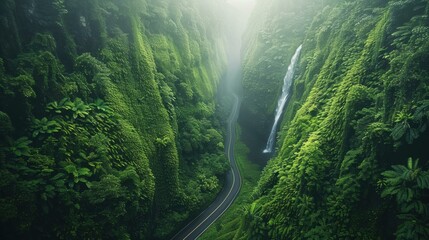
(352, 156)
(109, 124)
(113, 112)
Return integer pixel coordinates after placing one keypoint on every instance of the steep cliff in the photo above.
(109, 127)
(347, 162)
(275, 30)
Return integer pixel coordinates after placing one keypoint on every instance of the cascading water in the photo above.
(287, 83)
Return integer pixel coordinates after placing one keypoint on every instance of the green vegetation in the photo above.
(228, 225)
(408, 184)
(74, 169)
(109, 125)
(275, 30)
(359, 106)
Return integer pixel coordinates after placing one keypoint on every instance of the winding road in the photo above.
(229, 192)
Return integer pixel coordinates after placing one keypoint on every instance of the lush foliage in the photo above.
(108, 122)
(229, 224)
(409, 185)
(275, 31)
(359, 106)
(75, 169)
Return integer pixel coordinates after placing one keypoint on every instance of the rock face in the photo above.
(276, 29)
(359, 106)
(109, 125)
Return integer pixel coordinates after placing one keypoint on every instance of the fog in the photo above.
(244, 6)
(242, 10)
(235, 19)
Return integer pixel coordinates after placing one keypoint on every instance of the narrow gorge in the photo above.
(161, 119)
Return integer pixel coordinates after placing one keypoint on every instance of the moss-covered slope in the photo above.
(275, 30)
(359, 106)
(109, 128)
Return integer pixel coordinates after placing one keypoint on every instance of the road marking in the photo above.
(230, 203)
(230, 156)
(239, 187)
(230, 190)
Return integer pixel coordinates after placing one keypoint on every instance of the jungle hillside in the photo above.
(114, 114)
(110, 124)
(352, 157)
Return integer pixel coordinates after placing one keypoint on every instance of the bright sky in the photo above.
(242, 4)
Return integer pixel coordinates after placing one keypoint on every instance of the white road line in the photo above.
(231, 142)
(239, 188)
(233, 180)
(230, 190)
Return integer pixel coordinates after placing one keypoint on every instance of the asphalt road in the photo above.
(229, 192)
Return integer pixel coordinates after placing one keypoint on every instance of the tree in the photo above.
(409, 185)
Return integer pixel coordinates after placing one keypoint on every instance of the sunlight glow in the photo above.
(242, 5)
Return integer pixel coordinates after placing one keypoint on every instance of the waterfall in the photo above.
(287, 83)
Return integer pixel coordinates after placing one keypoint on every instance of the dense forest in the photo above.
(352, 160)
(109, 123)
(113, 118)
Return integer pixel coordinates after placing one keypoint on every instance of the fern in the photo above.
(405, 128)
(408, 184)
(21, 147)
(45, 126)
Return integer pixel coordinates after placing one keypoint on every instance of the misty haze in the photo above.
(214, 119)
